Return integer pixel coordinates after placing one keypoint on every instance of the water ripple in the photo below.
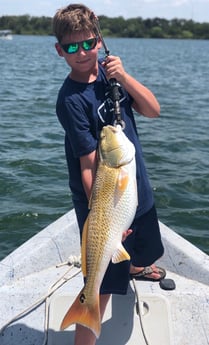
(33, 173)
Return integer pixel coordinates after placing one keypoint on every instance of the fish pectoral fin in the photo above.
(83, 313)
(120, 255)
(123, 179)
(83, 247)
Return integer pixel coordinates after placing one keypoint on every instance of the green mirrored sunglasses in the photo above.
(71, 48)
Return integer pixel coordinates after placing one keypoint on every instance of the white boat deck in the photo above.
(178, 317)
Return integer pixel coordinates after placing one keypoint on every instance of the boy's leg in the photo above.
(84, 335)
(145, 244)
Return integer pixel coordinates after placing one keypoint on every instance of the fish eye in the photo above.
(102, 135)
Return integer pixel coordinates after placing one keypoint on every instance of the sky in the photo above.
(198, 10)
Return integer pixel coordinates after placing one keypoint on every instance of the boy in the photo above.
(84, 106)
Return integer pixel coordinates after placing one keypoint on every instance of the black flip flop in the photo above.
(147, 271)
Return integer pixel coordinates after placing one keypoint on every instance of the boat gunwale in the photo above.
(55, 243)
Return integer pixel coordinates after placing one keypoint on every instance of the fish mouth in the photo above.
(116, 166)
(115, 150)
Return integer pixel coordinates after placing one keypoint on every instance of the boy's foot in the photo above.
(149, 273)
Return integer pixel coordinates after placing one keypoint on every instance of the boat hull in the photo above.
(27, 274)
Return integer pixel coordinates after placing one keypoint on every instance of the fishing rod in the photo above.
(114, 85)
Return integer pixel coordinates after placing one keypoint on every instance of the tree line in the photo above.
(114, 27)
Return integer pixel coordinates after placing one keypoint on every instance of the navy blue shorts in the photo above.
(144, 246)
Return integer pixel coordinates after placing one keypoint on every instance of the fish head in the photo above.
(115, 149)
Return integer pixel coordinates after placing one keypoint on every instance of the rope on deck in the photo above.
(73, 262)
(139, 311)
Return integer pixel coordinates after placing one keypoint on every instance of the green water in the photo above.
(33, 174)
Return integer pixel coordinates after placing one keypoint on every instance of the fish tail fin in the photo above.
(83, 313)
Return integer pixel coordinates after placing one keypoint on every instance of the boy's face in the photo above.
(82, 61)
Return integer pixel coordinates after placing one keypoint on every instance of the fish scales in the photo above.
(112, 209)
(100, 221)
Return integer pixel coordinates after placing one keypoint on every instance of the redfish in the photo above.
(112, 209)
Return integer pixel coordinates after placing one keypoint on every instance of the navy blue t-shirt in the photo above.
(83, 109)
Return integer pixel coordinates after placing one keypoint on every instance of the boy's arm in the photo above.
(145, 102)
(88, 165)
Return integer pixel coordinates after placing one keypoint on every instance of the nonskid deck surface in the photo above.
(29, 273)
(180, 310)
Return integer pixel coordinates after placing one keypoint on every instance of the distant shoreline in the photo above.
(114, 27)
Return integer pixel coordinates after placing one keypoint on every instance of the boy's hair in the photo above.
(74, 18)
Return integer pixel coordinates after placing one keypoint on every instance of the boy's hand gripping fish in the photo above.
(112, 209)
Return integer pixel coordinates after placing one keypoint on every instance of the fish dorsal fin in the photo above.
(120, 254)
(83, 247)
(123, 179)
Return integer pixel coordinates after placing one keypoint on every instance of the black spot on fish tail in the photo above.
(82, 298)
